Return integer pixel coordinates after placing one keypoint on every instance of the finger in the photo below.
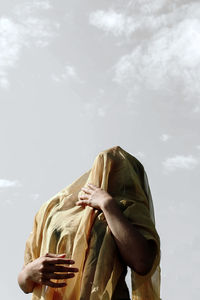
(53, 261)
(54, 284)
(53, 269)
(79, 203)
(58, 276)
(83, 202)
(87, 191)
(55, 255)
(92, 186)
(84, 197)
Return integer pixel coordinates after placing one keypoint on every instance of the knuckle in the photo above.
(43, 259)
(41, 268)
(43, 264)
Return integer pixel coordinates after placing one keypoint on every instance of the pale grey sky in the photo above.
(77, 77)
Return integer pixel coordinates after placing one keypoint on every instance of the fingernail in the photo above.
(72, 261)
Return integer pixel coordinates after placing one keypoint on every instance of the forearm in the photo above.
(133, 247)
(24, 282)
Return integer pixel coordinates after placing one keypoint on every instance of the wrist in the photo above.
(27, 272)
(108, 204)
(24, 279)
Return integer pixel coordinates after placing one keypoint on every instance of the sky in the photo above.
(78, 77)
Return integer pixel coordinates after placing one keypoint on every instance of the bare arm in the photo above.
(136, 251)
(24, 282)
(43, 269)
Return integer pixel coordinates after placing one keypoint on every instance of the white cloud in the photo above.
(30, 7)
(121, 23)
(111, 21)
(196, 109)
(4, 83)
(92, 110)
(68, 72)
(22, 29)
(137, 16)
(5, 183)
(10, 45)
(170, 61)
(180, 162)
(165, 39)
(35, 196)
(140, 156)
(165, 137)
(101, 112)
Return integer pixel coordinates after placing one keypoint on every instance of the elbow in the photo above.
(143, 269)
(145, 264)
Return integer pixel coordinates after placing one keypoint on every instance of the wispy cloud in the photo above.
(140, 155)
(35, 196)
(112, 21)
(92, 109)
(69, 72)
(22, 29)
(29, 7)
(5, 183)
(165, 137)
(165, 39)
(180, 162)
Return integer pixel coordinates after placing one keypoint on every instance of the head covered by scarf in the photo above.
(83, 234)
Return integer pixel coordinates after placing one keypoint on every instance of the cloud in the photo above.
(180, 162)
(69, 72)
(196, 109)
(35, 196)
(29, 7)
(92, 110)
(10, 45)
(165, 137)
(22, 29)
(5, 183)
(165, 40)
(139, 17)
(170, 62)
(140, 155)
(111, 21)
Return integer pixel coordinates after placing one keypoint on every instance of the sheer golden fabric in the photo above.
(82, 233)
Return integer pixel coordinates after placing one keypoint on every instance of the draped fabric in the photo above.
(83, 234)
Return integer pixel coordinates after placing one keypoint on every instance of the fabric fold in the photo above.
(83, 234)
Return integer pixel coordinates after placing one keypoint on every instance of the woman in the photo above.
(85, 237)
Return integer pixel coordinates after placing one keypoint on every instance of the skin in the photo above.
(136, 252)
(43, 269)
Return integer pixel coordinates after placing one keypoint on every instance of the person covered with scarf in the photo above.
(84, 237)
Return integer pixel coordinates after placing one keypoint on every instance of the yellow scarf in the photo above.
(82, 233)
